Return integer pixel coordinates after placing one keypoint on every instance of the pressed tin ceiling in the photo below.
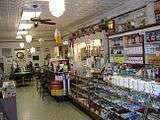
(76, 10)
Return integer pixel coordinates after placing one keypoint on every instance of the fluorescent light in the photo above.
(27, 15)
(25, 26)
(22, 32)
(18, 37)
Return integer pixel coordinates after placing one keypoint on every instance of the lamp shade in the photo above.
(32, 50)
(21, 45)
(57, 7)
(28, 38)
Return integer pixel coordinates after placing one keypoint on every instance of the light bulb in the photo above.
(57, 7)
(32, 50)
(28, 38)
(21, 45)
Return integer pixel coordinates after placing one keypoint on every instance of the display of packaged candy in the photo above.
(131, 116)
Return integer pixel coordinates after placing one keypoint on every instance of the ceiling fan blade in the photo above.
(35, 19)
(48, 23)
(45, 19)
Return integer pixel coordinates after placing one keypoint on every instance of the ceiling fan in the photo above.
(38, 20)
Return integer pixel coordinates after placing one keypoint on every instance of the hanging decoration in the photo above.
(57, 7)
(57, 37)
(87, 31)
(21, 45)
(28, 38)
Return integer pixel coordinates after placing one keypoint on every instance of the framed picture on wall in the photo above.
(36, 57)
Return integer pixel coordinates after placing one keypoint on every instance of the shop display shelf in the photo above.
(151, 43)
(117, 55)
(117, 47)
(133, 45)
(134, 55)
(80, 93)
(74, 84)
(82, 88)
(129, 98)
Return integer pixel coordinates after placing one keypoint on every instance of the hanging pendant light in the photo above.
(57, 7)
(28, 38)
(32, 50)
(21, 45)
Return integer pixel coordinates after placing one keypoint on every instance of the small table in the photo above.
(23, 75)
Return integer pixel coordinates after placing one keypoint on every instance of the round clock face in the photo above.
(20, 55)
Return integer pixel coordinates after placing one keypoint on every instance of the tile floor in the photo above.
(30, 106)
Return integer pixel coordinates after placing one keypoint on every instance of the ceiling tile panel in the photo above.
(76, 11)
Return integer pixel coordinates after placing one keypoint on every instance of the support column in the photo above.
(150, 13)
(105, 46)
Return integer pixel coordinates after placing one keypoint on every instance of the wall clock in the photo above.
(20, 55)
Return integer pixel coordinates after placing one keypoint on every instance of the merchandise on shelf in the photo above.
(117, 50)
(157, 11)
(130, 20)
(8, 89)
(152, 47)
(127, 49)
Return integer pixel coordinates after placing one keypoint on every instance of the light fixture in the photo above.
(97, 42)
(32, 50)
(65, 42)
(82, 45)
(57, 7)
(18, 37)
(22, 32)
(21, 45)
(25, 26)
(28, 50)
(28, 38)
(27, 15)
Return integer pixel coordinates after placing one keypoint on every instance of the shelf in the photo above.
(117, 47)
(125, 97)
(82, 94)
(73, 84)
(150, 43)
(118, 55)
(77, 92)
(134, 63)
(85, 109)
(134, 55)
(117, 104)
(133, 45)
(74, 91)
(79, 86)
(151, 27)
